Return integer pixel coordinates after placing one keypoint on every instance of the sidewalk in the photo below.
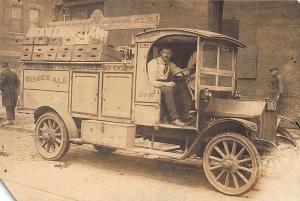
(24, 122)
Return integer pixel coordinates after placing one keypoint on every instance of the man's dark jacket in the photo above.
(9, 83)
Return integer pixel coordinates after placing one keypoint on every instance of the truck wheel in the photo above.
(51, 136)
(277, 162)
(231, 163)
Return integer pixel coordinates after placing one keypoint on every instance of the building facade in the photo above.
(204, 14)
(270, 29)
(16, 18)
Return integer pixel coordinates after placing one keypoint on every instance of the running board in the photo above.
(176, 127)
(152, 153)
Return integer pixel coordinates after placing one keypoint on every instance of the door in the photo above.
(117, 95)
(85, 93)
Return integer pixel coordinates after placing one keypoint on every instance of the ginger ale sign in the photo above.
(46, 80)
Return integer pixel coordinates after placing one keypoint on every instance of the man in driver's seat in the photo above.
(159, 70)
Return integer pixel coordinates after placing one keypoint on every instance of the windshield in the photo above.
(217, 67)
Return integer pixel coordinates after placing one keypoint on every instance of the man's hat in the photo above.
(4, 64)
(273, 69)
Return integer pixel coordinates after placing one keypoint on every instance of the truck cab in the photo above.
(210, 56)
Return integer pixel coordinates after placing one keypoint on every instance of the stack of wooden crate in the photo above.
(68, 49)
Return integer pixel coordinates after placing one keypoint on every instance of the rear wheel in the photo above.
(51, 136)
(231, 163)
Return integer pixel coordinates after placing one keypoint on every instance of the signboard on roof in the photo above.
(97, 26)
(113, 23)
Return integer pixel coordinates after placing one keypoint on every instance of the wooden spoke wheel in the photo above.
(277, 162)
(51, 137)
(231, 163)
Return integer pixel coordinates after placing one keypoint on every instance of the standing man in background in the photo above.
(9, 83)
(276, 86)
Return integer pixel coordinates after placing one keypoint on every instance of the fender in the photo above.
(65, 116)
(284, 136)
(292, 121)
(219, 126)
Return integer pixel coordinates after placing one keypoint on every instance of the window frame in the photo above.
(20, 28)
(32, 22)
(217, 71)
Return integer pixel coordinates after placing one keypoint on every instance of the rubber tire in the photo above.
(65, 137)
(245, 141)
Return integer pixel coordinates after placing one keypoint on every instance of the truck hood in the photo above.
(235, 108)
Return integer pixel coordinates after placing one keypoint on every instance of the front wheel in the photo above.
(231, 163)
(51, 136)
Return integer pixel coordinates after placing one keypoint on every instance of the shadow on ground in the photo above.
(158, 169)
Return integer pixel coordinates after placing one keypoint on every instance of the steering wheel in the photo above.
(186, 78)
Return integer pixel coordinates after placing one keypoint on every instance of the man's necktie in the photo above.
(166, 68)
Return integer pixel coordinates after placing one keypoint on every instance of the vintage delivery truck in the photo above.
(109, 103)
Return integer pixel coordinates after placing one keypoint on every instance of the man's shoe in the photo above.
(177, 122)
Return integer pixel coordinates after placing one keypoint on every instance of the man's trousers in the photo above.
(182, 96)
(10, 112)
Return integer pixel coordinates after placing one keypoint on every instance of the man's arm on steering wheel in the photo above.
(174, 69)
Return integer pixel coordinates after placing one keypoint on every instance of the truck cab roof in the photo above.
(156, 34)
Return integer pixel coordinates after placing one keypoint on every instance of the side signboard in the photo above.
(45, 86)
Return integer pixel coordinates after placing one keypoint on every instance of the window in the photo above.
(217, 67)
(34, 18)
(210, 56)
(225, 58)
(78, 13)
(16, 19)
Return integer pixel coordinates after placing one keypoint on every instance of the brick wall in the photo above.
(173, 13)
(271, 30)
(9, 48)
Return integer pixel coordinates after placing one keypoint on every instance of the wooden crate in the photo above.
(102, 53)
(27, 48)
(40, 40)
(39, 49)
(51, 49)
(17, 41)
(93, 56)
(112, 53)
(54, 41)
(65, 48)
(81, 40)
(37, 56)
(108, 58)
(79, 48)
(26, 56)
(26, 52)
(28, 41)
(50, 56)
(64, 56)
(94, 41)
(119, 135)
(94, 48)
(68, 41)
(78, 56)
